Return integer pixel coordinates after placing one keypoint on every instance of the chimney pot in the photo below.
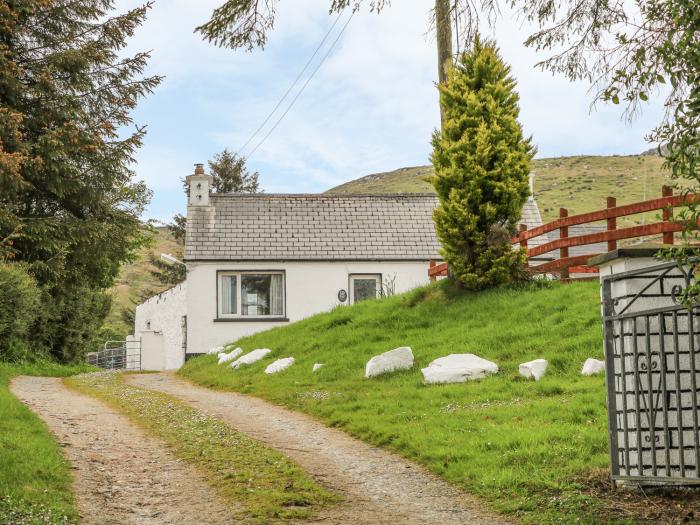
(199, 187)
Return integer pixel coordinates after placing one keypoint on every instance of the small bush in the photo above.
(19, 302)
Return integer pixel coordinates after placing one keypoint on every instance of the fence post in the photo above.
(667, 214)
(523, 242)
(564, 234)
(612, 224)
(432, 264)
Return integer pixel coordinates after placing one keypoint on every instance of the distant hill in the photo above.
(579, 184)
(135, 282)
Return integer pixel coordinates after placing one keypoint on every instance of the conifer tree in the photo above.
(231, 174)
(69, 207)
(482, 164)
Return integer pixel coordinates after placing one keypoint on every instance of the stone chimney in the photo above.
(199, 186)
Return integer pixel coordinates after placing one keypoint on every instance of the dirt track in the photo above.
(379, 487)
(121, 475)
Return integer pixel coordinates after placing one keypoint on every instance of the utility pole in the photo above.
(443, 28)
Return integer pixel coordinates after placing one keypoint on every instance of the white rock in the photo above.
(533, 369)
(458, 368)
(317, 366)
(396, 359)
(250, 357)
(592, 367)
(279, 365)
(216, 350)
(225, 358)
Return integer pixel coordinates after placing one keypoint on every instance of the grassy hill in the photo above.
(580, 184)
(534, 450)
(135, 283)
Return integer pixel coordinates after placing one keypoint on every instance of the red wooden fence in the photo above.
(565, 265)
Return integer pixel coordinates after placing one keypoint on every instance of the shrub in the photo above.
(482, 163)
(67, 338)
(19, 303)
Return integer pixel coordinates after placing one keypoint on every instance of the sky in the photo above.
(371, 107)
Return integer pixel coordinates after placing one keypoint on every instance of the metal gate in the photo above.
(652, 364)
(118, 355)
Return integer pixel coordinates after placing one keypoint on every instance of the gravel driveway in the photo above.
(121, 476)
(378, 486)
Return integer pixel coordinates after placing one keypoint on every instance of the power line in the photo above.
(293, 84)
(302, 87)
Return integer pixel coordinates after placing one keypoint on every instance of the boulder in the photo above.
(592, 367)
(533, 369)
(317, 366)
(250, 357)
(396, 359)
(279, 365)
(216, 350)
(225, 358)
(458, 368)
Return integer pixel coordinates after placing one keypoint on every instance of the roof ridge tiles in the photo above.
(327, 195)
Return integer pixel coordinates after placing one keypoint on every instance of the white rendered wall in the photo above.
(164, 312)
(310, 287)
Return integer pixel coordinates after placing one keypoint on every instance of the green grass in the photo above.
(520, 445)
(580, 184)
(35, 479)
(265, 485)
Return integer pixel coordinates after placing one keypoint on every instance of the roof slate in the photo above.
(275, 227)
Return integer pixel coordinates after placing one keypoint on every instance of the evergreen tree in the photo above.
(231, 174)
(482, 163)
(178, 227)
(167, 273)
(69, 208)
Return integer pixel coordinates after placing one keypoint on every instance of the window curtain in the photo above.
(228, 294)
(277, 294)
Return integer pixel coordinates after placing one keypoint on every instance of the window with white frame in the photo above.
(365, 286)
(251, 294)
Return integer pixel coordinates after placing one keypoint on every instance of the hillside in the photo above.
(580, 184)
(135, 283)
(487, 436)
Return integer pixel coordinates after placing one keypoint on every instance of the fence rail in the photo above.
(563, 263)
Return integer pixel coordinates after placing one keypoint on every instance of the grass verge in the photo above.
(522, 446)
(35, 478)
(263, 483)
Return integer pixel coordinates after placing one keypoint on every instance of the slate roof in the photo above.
(302, 227)
(531, 218)
(577, 231)
(313, 227)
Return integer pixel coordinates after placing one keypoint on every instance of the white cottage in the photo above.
(259, 261)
